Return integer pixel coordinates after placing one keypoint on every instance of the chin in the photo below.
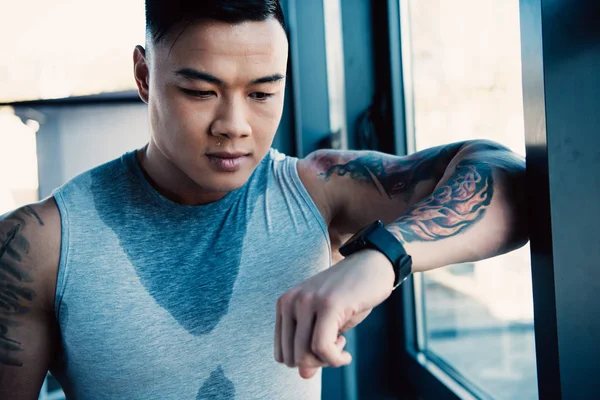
(227, 183)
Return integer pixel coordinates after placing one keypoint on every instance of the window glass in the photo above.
(465, 58)
(57, 49)
(18, 160)
(63, 48)
(19, 183)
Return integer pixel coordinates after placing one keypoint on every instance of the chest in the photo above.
(185, 306)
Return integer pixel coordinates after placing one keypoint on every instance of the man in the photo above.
(164, 274)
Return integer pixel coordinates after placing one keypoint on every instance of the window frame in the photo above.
(548, 36)
(125, 97)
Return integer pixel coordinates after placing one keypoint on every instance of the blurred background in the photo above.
(395, 76)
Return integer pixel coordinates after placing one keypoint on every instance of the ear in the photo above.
(141, 72)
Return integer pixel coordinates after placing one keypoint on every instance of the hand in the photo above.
(312, 316)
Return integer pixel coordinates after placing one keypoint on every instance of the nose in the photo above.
(231, 121)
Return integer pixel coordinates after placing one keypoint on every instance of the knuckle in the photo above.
(326, 302)
(320, 350)
(285, 303)
(305, 298)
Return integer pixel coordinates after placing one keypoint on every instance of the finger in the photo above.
(341, 342)
(278, 351)
(303, 356)
(325, 340)
(288, 327)
(308, 373)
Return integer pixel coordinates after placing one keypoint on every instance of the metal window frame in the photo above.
(308, 61)
(561, 60)
(125, 97)
(561, 89)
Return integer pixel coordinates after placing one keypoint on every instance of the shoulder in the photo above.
(323, 173)
(30, 240)
(335, 168)
(310, 171)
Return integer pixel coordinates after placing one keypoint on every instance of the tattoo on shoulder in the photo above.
(392, 176)
(451, 209)
(15, 296)
(29, 210)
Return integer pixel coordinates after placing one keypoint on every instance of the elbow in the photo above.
(509, 173)
(518, 196)
(512, 174)
(495, 155)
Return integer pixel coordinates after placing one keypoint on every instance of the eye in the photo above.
(261, 96)
(199, 93)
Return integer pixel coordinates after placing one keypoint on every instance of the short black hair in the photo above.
(163, 15)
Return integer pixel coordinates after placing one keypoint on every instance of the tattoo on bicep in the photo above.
(452, 208)
(394, 176)
(15, 296)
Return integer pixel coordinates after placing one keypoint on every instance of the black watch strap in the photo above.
(376, 237)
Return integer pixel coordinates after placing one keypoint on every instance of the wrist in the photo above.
(378, 265)
(378, 238)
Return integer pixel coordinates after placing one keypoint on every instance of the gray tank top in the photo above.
(156, 300)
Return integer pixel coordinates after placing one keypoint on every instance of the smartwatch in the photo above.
(376, 237)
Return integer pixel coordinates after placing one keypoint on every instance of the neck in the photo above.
(170, 181)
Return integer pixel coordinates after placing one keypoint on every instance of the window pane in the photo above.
(18, 160)
(466, 67)
(64, 48)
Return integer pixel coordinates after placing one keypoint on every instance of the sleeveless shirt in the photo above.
(157, 300)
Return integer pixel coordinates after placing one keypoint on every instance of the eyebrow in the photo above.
(193, 74)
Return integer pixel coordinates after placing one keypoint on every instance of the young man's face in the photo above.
(215, 98)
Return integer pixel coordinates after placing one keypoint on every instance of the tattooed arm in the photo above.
(448, 204)
(29, 252)
(454, 203)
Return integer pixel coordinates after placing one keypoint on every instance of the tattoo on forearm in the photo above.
(452, 208)
(390, 175)
(15, 296)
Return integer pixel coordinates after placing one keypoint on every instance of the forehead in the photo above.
(226, 50)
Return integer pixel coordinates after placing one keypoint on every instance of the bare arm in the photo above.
(29, 252)
(454, 203)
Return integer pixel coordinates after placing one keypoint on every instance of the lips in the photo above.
(228, 161)
(224, 154)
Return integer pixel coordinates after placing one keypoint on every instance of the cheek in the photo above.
(184, 121)
(192, 120)
(267, 118)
